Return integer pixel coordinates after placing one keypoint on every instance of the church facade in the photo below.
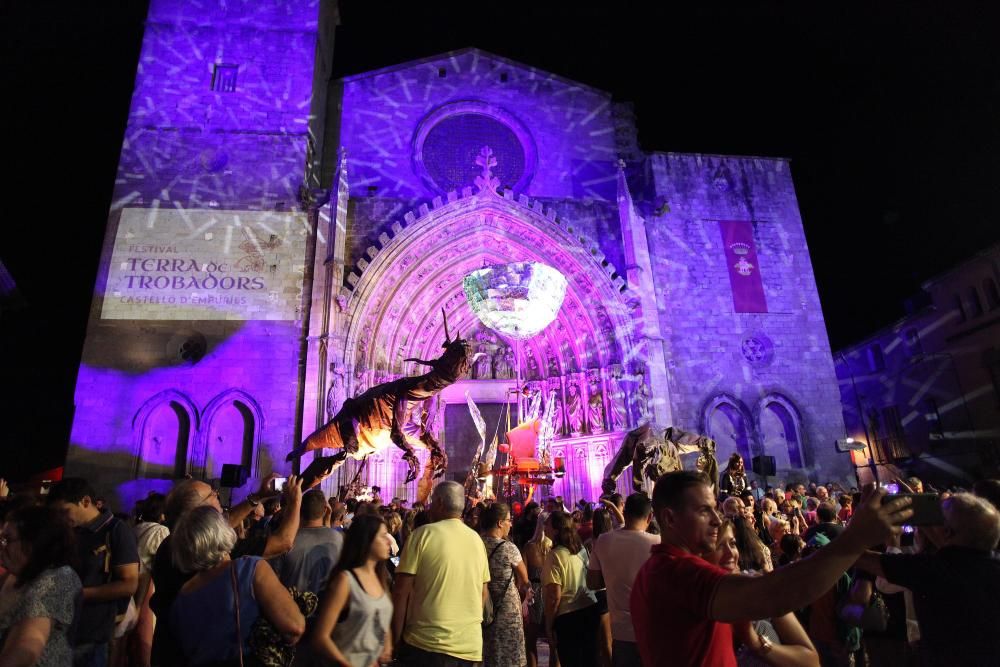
(279, 242)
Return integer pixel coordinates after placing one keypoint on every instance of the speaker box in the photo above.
(234, 476)
(764, 465)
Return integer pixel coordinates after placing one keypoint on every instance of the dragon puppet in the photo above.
(652, 451)
(385, 414)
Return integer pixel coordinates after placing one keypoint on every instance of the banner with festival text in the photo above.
(743, 265)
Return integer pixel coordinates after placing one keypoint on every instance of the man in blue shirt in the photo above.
(108, 568)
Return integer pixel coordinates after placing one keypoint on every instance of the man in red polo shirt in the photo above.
(682, 605)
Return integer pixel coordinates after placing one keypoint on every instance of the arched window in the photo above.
(162, 429)
(726, 421)
(233, 423)
(778, 421)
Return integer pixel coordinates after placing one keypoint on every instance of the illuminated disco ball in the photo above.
(518, 299)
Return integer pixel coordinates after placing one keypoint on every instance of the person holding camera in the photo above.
(964, 569)
(682, 606)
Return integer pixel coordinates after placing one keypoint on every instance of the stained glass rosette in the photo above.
(517, 300)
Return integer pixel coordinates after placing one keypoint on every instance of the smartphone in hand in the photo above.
(926, 508)
(279, 483)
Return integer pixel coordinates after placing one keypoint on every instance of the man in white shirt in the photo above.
(616, 559)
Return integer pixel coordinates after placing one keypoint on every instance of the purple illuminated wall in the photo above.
(225, 100)
(220, 119)
(759, 383)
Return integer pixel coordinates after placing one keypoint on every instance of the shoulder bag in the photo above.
(489, 613)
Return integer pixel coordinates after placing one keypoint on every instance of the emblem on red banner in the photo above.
(742, 262)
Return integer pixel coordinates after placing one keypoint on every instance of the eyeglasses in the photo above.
(214, 493)
(6, 540)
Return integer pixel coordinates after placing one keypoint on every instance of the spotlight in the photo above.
(849, 444)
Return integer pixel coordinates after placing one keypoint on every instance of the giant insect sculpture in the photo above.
(652, 452)
(384, 415)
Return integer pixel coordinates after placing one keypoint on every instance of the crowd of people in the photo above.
(701, 572)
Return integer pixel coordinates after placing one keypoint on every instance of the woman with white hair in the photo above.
(224, 598)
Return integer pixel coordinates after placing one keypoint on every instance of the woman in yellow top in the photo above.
(571, 613)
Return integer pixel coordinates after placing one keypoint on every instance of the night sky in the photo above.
(890, 115)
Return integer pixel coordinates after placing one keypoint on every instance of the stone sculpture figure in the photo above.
(595, 408)
(574, 409)
(384, 414)
(553, 391)
(643, 398)
(532, 367)
(617, 412)
(336, 395)
(501, 369)
(483, 369)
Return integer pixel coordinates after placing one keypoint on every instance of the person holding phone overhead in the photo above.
(955, 587)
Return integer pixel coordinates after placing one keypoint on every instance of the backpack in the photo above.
(850, 633)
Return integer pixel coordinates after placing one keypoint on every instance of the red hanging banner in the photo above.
(744, 269)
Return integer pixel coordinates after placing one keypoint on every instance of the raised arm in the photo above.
(281, 540)
(243, 509)
(619, 517)
(739, 597)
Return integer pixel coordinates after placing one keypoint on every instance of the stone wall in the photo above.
(219, 121)
(226, 96)
(925, 391)
(571, 134)
(733, 363)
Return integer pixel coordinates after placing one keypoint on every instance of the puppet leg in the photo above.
(438, 460)
(413, 465)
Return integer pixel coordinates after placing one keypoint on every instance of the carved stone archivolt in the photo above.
(393, 305)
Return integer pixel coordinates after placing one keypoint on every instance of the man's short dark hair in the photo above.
(313, 505)
(70, 490)
(339, 512)
(826, 512)
(637, 506)
(670, 488)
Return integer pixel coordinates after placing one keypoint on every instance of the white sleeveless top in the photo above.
(361, 636)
